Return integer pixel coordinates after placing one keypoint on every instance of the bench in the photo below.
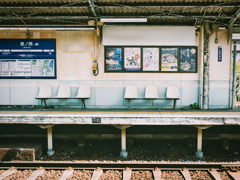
(151, 93)
(64, 92)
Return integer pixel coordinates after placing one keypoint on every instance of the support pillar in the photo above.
(234, 74)
(81, 141)
(199, 153)
(206, 62)
(123, 128)
(123, 152)
(226, 144)
(50, 151)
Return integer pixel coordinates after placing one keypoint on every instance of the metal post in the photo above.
(50, 151)
(174, 104)
(123, 153)
(200, 57)
(41, 104)
(207, 34)
(199, 144)
(199, 153)
(234, 75)
(83, 104)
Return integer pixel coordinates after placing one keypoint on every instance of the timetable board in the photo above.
(28, 58)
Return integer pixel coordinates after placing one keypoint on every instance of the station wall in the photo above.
(220, 72)
(75, 52)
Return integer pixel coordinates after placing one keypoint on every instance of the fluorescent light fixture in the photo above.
(123, 19)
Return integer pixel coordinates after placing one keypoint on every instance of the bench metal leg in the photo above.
(83, 102)
(41, 104)
(45, 103)
(174, 104)
(129, 104)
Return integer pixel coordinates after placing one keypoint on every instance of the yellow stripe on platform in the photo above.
(142, 112)
(133, 113)
(153, 112)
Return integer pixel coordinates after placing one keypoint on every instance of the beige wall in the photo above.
(75, 52)
(220, 71)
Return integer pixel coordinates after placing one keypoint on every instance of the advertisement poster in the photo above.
(169, 60)
(113, 59)
(150, 59)
(188, 59)
(132, 59)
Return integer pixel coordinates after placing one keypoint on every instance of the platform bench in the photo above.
(45, 93)
(151, 93)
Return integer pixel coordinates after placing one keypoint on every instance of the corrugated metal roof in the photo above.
(78, 12)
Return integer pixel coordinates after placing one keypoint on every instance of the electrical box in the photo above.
(215, 27)
(95, 64)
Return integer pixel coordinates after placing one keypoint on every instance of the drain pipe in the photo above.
(234, 74)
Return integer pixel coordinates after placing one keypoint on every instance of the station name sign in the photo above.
(28, 58)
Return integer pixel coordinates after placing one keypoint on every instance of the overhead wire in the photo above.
(174, 14)
(55, 20)
(66, 5)
(179, 11)
(27, 34)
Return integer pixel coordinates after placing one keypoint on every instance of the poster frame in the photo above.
(140, 60)
(168, 47)
(160, 60)
(196, 65)
(105, 64)
(35, 77)
(153, 71)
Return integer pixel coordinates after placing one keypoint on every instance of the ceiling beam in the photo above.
(236, 30)
(126, 3)
(93, 8)
(231, 23)
(48, 17)
(234, 18)
(87, 17)
(102, 6)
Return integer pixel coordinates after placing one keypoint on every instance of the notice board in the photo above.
(28, 58)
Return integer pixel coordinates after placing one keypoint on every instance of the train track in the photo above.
(97, 169)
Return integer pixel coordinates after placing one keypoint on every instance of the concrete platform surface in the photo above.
(121, 117)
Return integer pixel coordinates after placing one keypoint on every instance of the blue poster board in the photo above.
(28, 58)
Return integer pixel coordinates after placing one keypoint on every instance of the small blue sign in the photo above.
(219, 53)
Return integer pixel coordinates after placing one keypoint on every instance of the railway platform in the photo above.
(122, 119)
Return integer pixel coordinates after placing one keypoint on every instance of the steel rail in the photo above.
(118, 165)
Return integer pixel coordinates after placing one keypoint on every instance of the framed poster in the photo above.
(188, 59)
(169, 59)
(150, 59)
(113, 59)
(28, 58)
(132, 59)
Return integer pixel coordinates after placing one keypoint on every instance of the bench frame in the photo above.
(174, 100)
(44, 100)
